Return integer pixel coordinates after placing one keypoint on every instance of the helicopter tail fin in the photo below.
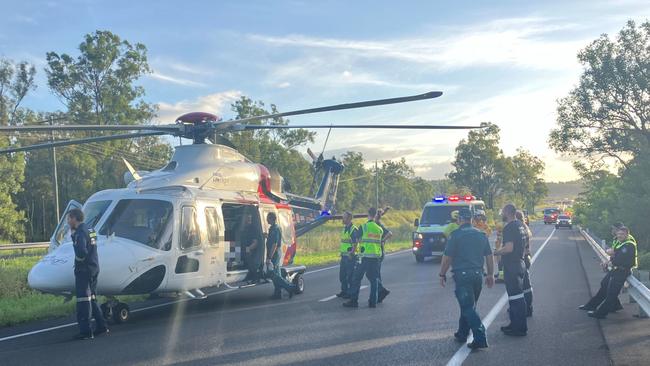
(326, 193)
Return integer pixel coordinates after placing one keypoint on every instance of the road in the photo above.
(413, 327)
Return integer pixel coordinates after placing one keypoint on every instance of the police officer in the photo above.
(453, 225)
(623, 259)
(466, 251)
(512, 255)
(528, 287)
(385, 236)
(349, 240)
(370, 253)
(274, 258)
(86, 270)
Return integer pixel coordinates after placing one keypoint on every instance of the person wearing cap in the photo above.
(480, 222)
(623, 257)
(466, 251)
(453, 225)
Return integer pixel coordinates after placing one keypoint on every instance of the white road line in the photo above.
(462, 353)
(163, 305)
(334, 296)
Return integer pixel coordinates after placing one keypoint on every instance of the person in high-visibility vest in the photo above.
(386, 235)
(349, 240)
(623, 257)
(453, 225)
(370, 253)
(480, 222)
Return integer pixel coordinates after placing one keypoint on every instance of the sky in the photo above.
(506, 62)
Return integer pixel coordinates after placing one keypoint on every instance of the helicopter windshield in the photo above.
(142, 220)
(93, 211)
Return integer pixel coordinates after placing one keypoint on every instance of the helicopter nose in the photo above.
(53, 273)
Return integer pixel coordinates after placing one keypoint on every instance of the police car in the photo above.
(564, 221)
(429, 239)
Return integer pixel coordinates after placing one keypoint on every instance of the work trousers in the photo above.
(528, 292)
(468, 289)
(380, 284)
(87, 307)
(346, 270)
(369, 266)
(514, 280)
(606, 300)
(279, 282)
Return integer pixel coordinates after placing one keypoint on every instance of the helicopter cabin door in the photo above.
(62, 231)
(214, 248)
(191, 263)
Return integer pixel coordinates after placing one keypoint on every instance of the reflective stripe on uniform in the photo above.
(79, 259)
(528, 290)
(516, 297)
(83, 299)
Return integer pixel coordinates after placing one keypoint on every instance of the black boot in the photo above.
(351, 304)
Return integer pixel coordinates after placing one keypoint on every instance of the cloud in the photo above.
(435, 170)
(372, 152)
(522, 42)
(24, 19)
(216, 103)
(175, 80)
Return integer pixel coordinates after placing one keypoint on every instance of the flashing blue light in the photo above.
(439, 199)
(325, 213)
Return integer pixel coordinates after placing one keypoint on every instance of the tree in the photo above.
(480, 165)
(608, 113)
(276, 148)
(16, 81)
(527, 185)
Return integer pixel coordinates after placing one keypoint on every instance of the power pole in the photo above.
(376, 185)
(55, 180)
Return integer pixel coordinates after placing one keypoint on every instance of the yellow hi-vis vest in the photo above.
(630, 240)
(346, 239)
(370, 245)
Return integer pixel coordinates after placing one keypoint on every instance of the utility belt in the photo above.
(622, 269)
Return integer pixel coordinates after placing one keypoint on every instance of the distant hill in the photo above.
(562, 190)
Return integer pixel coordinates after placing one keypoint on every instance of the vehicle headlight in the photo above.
(417, 236)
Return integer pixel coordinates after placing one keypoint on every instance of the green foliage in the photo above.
(606, 115)
(644, 261)
(527, 185)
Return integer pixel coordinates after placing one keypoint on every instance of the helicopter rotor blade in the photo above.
(30, 128)
(399, 127)
(338, 107)
(80, 141)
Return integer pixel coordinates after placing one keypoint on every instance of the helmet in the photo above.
(454, 214)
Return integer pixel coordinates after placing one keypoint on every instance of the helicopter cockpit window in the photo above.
(170, 166)
(145, 221)
(190, 232)
(93, 212)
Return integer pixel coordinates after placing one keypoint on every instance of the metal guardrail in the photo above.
(637, 290)
(23, 246)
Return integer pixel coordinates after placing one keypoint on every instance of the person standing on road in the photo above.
(274, 258)
(512, 255)
(623, 259)
(86, 271)
(385, 236)
(480, 222)
(252, 257)
(528, 287)
(453, 225)
(466, 251)
(370, 253)
(349, 240)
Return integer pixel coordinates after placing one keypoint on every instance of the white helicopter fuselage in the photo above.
(166, 231)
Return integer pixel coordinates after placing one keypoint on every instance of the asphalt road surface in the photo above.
(414, 326)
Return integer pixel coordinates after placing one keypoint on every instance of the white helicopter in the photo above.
(178, 229)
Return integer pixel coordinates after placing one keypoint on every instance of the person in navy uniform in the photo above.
(512, 252)
(86, 271)
(466, 252)
(274, 258)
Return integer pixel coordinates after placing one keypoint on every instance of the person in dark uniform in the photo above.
(512, 255)
(385, 236)
(274, 258)
(623, 258)
(349, 240)
(466, 251)
(528, 287)
(252, 253)
(86, 270)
